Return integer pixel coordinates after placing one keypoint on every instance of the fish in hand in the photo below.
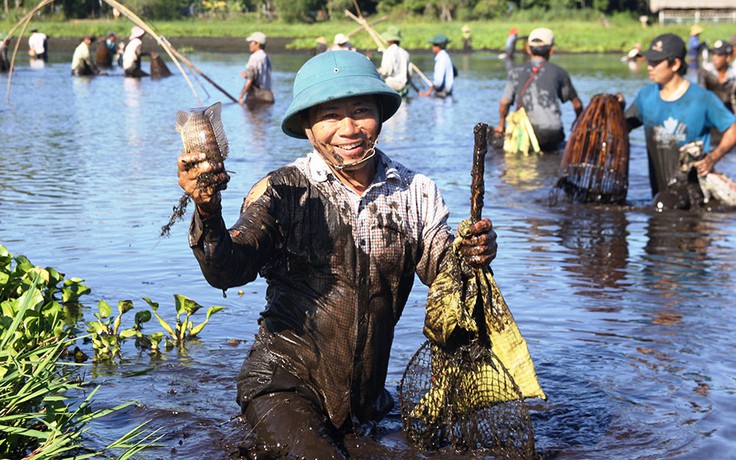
(201, 131)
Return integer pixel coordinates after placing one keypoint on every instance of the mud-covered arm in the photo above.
(234, 257)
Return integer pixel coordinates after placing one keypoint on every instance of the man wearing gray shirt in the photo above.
(257, 74)
(538, 86)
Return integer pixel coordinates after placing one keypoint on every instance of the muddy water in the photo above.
(627, 312)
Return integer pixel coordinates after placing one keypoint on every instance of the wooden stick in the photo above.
(359, 28)
(477, 185)
(381, 43)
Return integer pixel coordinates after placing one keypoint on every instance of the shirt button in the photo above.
(362, 242)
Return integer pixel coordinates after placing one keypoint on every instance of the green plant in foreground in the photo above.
(106, 334)
(184, 329)
(40, 416)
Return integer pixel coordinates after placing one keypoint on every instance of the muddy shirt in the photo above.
(339, 269)
(708, 79)
(542, 96)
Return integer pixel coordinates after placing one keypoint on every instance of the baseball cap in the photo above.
(722, 47)
(258, 37)
(542, 37)
(664, 47)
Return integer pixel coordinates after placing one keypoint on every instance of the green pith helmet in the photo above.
(336, 75)
(392, 34)
(439, 39)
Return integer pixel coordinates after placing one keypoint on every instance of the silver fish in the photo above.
(201, 131)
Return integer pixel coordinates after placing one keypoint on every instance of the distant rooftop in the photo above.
(656, 5)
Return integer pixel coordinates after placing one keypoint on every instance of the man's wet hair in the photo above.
(542, 50)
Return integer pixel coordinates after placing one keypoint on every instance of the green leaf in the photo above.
(186, 305)
(211, 311)
(154, 305)
(142, 316)
(124, 306)
(128, 333)
(104, 308)
(161, 321)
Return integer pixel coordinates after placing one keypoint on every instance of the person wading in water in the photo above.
(338, 235)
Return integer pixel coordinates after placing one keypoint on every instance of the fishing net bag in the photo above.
(464, 401)
(464, 389)
(595, 165)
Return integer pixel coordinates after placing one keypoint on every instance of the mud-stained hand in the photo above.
(479, 249)
(705, 165)
(205, 195)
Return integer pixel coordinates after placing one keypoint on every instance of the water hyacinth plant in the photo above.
(40, 416)
(184, 329)
(106, 334)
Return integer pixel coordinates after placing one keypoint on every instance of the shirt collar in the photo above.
(386, 169)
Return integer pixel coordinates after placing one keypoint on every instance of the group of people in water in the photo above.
(340, 233)
(676, 113)
(89, 62)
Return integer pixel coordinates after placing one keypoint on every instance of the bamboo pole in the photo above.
(381, 42)
(23, 22)
(197, 71)
(359, 28)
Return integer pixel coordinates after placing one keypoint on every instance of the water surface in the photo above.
(627, 312)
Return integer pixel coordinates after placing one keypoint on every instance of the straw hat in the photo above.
(696, 29)
(341, 39)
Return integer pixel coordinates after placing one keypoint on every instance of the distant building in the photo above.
(693, 10)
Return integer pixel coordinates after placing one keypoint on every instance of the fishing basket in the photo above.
(465, 401)
(464, 389)
(595, 165)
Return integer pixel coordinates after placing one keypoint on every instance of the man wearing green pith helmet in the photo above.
(338, 235)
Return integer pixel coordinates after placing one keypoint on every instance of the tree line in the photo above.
(318, 10)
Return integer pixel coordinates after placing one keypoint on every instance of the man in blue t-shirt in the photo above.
(675, 112)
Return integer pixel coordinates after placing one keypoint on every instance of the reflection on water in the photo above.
(627, 312)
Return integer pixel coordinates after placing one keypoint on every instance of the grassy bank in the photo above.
(619, 35)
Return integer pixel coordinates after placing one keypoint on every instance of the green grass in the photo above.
(575, 35)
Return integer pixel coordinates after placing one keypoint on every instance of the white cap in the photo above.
(137, 32)
(341, 39)
(258, 37)
(543, 37)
